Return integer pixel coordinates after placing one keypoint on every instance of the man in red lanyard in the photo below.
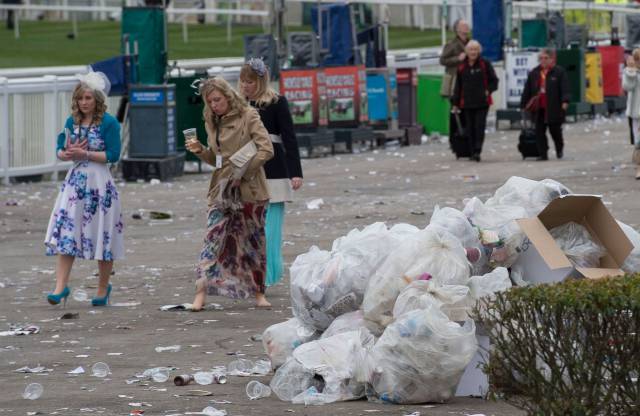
(548, 84)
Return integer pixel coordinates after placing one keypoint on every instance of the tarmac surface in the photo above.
(396, 184)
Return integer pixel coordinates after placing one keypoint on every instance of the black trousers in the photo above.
(631, 132)
(555, 129)
(475, 120)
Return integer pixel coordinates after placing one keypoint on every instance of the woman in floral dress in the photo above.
(233, 258)
(86, 221)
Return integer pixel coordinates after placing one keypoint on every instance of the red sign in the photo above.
(346, 95)
(300, 89)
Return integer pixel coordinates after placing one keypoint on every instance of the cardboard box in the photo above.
(542, 261)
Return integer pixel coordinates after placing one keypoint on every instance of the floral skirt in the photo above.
(86, 221)
(233, 259)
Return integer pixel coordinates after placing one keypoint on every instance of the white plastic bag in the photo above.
(456, 223)
(500, 234)
(422, 294)
(490, 283)
(351, 321)
(281, 339)
(578, 245)
(420, 357)
(632, 262)
(531, 195)
(431, 252)
(326, 285)
(324, 371)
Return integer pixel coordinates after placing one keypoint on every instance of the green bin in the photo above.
(572, 60)
(433, 109)
(189, 108)
(534, 33)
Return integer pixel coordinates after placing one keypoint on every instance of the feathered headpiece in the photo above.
(97, 81)
(258, 66)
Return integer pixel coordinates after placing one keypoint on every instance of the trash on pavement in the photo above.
(33, 391)
(543, 261)
(281, 339)
(256, 390)
(21, 330)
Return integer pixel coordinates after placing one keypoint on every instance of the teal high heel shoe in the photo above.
(103, 301)
(54, 299)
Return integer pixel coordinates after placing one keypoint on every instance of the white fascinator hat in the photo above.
(97, 81)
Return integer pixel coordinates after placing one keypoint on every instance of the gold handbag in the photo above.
(448, 81)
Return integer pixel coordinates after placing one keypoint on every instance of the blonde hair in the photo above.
(265, 95)
(473, 43)
(234, 100)
(636, 54)
(101, 106)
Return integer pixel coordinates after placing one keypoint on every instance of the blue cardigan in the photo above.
(109, 131)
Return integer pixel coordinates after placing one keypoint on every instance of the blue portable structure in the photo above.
(336, 32)
(488, 27)
(120, 72)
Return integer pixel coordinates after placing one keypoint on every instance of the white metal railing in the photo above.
(74, 10)
(32, 113)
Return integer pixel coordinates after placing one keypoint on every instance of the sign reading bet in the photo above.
(518, 65)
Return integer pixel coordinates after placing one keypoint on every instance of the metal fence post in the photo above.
(4, 130)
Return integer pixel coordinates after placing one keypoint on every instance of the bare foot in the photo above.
(198, 301)
(261, 301)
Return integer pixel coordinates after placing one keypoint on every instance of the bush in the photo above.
(571, 348)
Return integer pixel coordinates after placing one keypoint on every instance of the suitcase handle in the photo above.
(456, 115)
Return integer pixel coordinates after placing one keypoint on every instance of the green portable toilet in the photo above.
(146, 26)
(433, 109)
(189, 108)
(572, 60)
(533, 33)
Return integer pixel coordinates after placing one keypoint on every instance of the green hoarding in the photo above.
(146, 26)
(433, 109)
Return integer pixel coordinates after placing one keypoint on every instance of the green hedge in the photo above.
(571, 348)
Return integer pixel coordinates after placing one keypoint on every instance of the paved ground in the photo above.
(393, 185)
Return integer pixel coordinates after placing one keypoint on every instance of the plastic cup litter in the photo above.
(33, 391)
(212, 411)
(262, 367)
(257, 390)
(203, 378)
(80, 295)
(240, 366)
(100, 370)
(160, 374)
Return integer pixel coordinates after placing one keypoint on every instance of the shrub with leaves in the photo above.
(571, 348)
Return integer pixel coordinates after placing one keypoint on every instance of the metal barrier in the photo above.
(32, 113)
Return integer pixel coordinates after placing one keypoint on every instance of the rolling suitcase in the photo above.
(527, 143)
(459, 141)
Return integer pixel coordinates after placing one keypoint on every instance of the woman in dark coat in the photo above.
(284, 171)
(546, 95)
(475, 81)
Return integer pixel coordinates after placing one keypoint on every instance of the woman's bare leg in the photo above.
(104, 271)
(63, 270)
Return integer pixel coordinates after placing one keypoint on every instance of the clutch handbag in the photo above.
(244, 155)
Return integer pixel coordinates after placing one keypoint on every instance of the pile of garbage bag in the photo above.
(385, 313)
(327, 284)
